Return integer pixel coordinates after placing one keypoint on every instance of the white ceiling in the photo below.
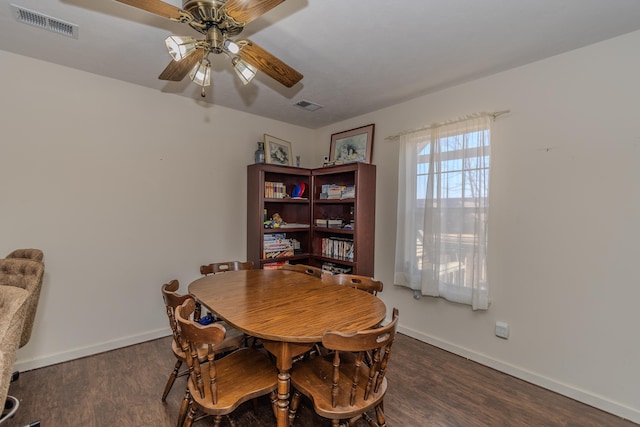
(357, 56)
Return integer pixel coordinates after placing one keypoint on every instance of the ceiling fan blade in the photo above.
(177, 70)
(245, 11)
(269, 64)
(158, 7)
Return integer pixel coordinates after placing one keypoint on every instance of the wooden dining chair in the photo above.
(341, 385)
(363, 283)
(218, 386)
(303, 268)
(221, 267)
(232, 341)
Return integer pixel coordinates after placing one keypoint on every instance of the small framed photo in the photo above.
(277, 151)
(353, 145)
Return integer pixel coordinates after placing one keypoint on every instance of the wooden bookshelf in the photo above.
(357, 213)
(297, 211)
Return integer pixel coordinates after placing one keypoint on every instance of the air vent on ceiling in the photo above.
(45, 22)
(308, 105)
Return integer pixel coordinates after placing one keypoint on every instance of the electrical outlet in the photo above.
(502, 330)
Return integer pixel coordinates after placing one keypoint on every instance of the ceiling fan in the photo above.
(219, 21)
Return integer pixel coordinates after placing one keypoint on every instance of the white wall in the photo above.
(93, 172)
(564, 226)
(124, 188)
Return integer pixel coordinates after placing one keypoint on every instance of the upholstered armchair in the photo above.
(32, 254)
(26, 274)
(13, 302)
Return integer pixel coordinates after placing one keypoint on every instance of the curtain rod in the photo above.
(494, 115)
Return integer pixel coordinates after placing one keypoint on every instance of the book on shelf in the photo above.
(279, 254)
(333, 247)
(273, 265)
(336, 269)
(277, 245)
(349, 192)
(331, 191)
(274, 190)
(293, 225)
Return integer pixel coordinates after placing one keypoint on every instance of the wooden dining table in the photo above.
(289, 311)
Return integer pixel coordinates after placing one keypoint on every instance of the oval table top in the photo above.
(289, 306)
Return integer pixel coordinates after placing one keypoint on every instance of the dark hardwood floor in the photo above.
(123, 388)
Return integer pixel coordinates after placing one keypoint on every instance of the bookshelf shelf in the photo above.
(326, 230)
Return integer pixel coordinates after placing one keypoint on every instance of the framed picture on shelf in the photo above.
(277, 151)
(353, 145)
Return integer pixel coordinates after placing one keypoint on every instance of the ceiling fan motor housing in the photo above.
(209, 13)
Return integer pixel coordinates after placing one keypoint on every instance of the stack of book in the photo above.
(274, 190)
(277, 245)
(330, 223)
(331, 191)
(337, 192)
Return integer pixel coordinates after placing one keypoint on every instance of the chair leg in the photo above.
(380, 415)
(192, 414)
(369, 420)
(217, 420)
(172, 378)
(293, 406)
(184, 408)
(274, 402)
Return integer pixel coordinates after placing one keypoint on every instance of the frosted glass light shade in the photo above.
(201, 73)
(180, 47)
(244, 70)
(231, 46)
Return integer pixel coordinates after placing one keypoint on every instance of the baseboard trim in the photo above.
(52, 359)
(583, 396)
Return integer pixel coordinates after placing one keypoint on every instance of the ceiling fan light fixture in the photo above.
(180, 47)
(201, 73)
(231, 46)
(244, 70)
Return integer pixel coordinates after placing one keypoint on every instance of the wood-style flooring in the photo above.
(427, 387)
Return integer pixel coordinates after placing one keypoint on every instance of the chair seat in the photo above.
(233, 339)
(243, 375)
(313, 379)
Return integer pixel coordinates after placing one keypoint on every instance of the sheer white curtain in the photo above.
(443, 206)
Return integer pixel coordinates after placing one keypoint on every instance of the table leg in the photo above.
(284, 353)
(284, 389)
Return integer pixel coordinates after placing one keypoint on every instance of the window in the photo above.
(443, 211)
